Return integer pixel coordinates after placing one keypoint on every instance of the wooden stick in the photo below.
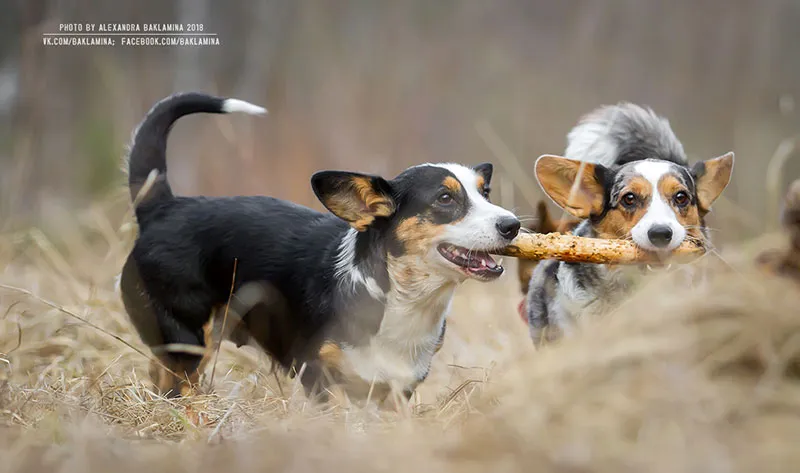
(575, 249)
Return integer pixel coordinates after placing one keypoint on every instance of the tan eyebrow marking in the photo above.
(452, 183)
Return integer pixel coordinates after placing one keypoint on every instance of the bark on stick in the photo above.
(575, 249)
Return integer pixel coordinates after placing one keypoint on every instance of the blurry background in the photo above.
(376, 86)
(680, 383)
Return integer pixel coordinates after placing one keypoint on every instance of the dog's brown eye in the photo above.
(681, 199)
(445, 199)
(629, 199)
(485, 193)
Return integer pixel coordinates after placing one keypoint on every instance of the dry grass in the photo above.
(677, 380)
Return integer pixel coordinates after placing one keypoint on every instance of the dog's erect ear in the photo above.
(712, 177)
(355, 198)
(576, 186)
(484, 170)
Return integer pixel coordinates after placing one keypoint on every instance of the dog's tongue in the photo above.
(521, 311)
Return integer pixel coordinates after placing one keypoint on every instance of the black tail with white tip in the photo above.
(147, 158)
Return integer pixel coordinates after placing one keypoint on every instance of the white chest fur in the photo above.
(401, 352)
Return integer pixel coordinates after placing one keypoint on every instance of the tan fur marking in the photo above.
(361, 206)
(481, 183)
(161, 378)
(185, 385)
(210, 337)
(619, 222)
(343, 208)
(331, 355)
(376, 204)
(188, 379)
(668, 186)
(639, 186)
(452, 183)
(688, 216)
(715, 179)
(417, 235)
(571, 184)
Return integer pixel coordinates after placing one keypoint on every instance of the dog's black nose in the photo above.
(659, 235)
(508, 227)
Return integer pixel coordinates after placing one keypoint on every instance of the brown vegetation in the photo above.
(707, 381)
(679, 379)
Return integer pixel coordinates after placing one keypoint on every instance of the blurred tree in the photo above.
(377, 86)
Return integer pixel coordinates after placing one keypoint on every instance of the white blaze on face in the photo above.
(658, 212)
(478, 229)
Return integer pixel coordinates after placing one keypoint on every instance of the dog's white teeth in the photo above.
(660, 269)
(483, 263)
(500, 262)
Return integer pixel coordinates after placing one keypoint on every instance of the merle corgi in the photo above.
(625, 175)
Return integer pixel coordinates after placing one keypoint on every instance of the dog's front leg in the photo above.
(581, 287)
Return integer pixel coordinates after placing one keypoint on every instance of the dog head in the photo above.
(436, 218)
(656, 203)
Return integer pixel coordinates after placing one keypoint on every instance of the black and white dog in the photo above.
(358, 297)
(626, 176)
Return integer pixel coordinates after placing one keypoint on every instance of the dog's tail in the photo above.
(147, 156)
(612, 134)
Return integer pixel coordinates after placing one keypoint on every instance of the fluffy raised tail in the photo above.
(147, 158)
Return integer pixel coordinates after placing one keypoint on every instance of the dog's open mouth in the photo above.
(477, 264)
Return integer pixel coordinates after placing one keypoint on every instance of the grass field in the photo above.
(704, 379)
